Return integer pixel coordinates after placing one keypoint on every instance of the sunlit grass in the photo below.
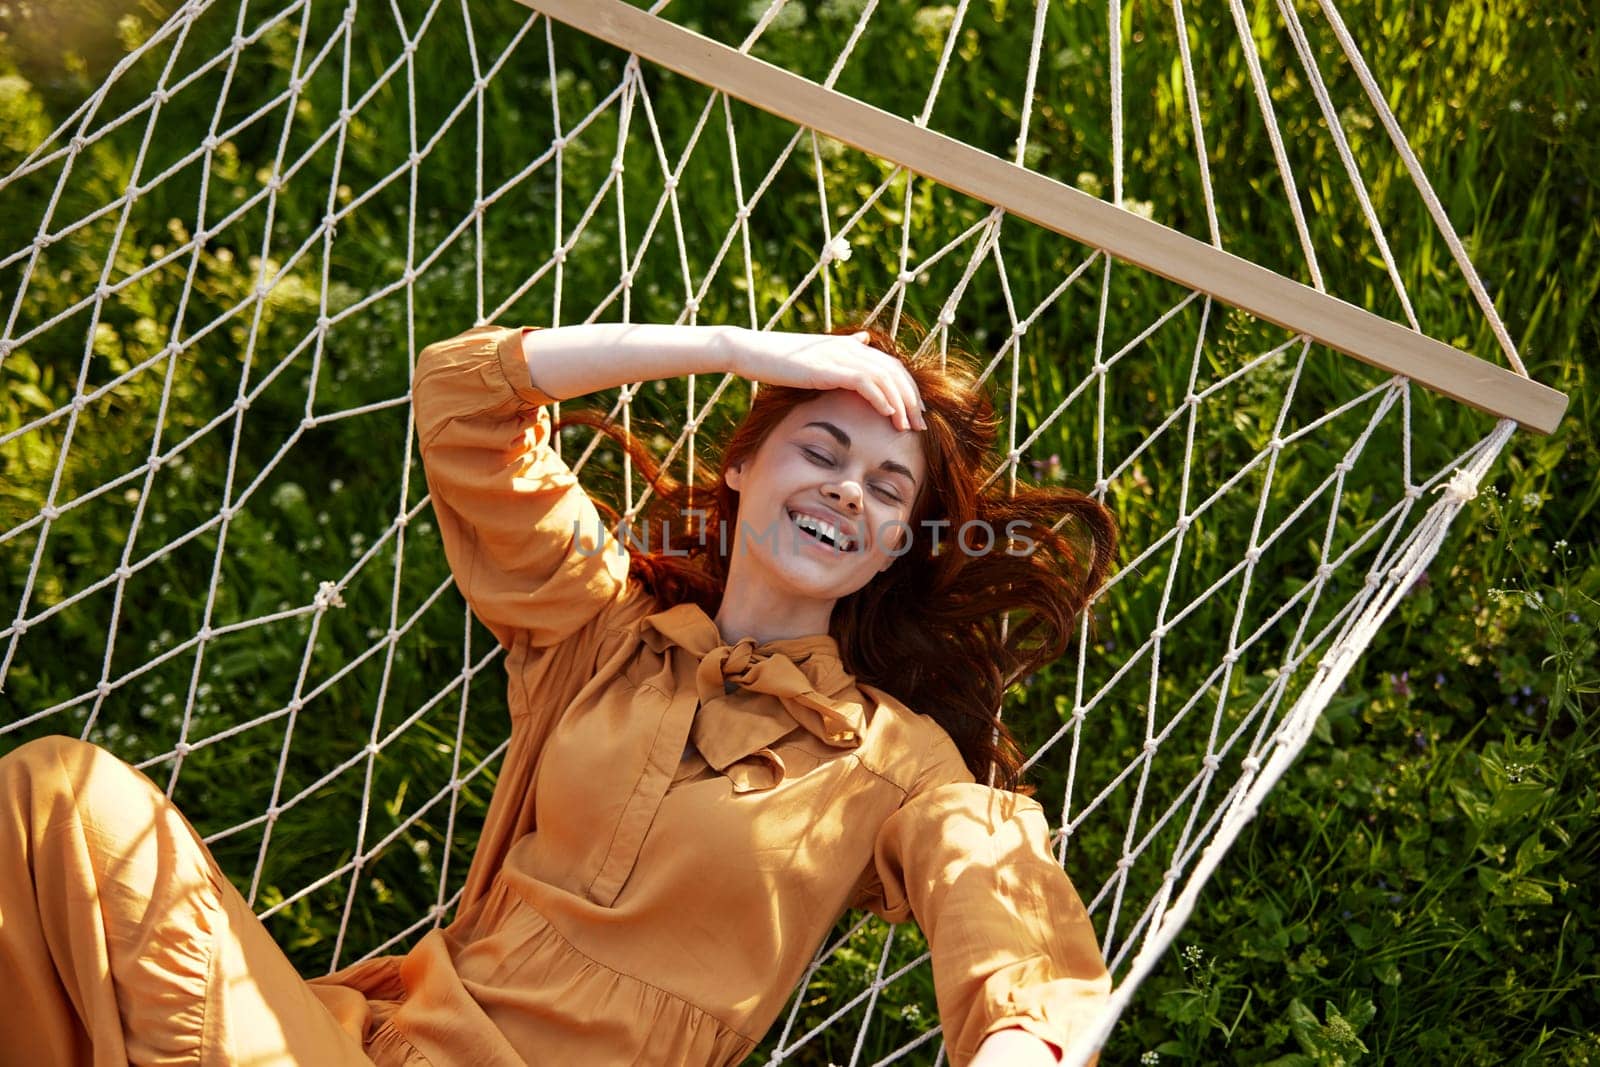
(1411, 893)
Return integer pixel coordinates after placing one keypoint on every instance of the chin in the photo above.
(804, 581)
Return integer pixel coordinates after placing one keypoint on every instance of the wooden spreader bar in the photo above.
(1070, 212)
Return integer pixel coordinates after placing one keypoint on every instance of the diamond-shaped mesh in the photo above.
(217, 266)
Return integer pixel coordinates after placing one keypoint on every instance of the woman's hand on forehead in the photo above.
(829, 361)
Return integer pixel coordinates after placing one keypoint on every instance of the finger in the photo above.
(873, 393)
(905, 396)
(897, 385)
(906, 390)
(916, 406)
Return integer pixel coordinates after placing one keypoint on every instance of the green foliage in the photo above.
(1413, 891)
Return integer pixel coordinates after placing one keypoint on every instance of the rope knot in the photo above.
(327, 596)
(1462, 486)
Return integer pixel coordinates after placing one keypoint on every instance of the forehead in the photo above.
(870, 432)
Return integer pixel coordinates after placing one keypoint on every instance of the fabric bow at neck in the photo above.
(737, 721)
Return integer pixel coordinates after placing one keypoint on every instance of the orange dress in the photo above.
(679, 822)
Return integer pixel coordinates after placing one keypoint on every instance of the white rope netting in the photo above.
(219, 265)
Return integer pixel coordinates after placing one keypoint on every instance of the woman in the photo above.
(771, 705)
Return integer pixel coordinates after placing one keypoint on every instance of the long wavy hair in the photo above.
(929, 628)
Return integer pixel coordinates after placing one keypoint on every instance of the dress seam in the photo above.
(556, 930)
(633, 792)
(205, 1002)
(880, 776)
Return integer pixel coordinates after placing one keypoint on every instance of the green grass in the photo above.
(1411, 892)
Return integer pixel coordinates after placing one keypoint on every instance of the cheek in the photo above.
(893, 534)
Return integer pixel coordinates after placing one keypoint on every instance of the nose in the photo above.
(846, 495)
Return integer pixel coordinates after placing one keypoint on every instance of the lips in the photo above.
(825, 531)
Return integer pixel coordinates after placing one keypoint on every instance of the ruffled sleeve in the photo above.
(1012, 944)
(526, 545)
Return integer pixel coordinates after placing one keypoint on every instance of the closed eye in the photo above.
(823, 460)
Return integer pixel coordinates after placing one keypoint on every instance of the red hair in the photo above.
(927, 629)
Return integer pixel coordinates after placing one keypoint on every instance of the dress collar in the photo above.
(734, 723)
(688, 626)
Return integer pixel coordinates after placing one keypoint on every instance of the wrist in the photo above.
(1014, 1046)
(728, 349)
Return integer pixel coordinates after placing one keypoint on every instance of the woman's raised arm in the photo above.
(526, 545)
(569, 361)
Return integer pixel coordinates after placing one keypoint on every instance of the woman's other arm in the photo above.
(1016, 965)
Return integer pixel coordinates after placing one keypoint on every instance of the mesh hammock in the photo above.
(222, 252)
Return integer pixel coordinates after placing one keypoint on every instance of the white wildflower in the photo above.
(841, 10)
(934, 22)
(1143, 208)
(791, 15)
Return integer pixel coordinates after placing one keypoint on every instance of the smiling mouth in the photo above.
(823, 533)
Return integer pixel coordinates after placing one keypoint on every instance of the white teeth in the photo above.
(823, 531)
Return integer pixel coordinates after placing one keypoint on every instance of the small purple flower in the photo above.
(1400, 683)
(1047, 469)
(1420, 739)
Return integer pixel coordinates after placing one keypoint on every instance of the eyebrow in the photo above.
(843, 438)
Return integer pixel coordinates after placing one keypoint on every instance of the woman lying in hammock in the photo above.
(775, 702)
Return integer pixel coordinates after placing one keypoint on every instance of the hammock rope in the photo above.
(1219, 693)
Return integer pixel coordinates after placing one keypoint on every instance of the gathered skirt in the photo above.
(122, 943)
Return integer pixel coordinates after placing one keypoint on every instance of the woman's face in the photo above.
(834, 470)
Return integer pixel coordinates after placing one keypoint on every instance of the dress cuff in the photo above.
(514, 365)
